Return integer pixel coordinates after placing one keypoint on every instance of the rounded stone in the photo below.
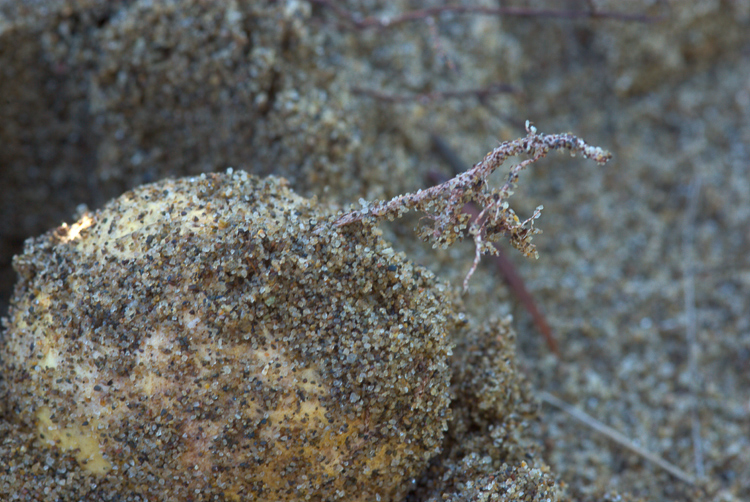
(218, 336)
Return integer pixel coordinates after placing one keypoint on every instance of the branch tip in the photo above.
(443, 203)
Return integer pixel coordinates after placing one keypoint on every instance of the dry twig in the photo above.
(616, 437)
(503, 264)
(479, 93)
(349, 19)
(444, 203)
(691, 323)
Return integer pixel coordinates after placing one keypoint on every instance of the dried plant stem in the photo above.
(616, 437)
(516, 283)
(352, 20)
(479, 93)
(503, 265)
(691, 323)
(444, 203)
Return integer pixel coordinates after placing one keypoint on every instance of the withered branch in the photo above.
(503, 265)
(444, 203)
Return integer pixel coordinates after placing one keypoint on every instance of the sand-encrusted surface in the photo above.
(220, 338)
(98, 97)
(216, 337)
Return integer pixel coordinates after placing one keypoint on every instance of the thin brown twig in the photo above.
(518, 286)
(351, 20)
(444, 203)
(615, 436)
(479, 93)
(437, 46)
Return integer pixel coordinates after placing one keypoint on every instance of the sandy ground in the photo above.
(643, 271)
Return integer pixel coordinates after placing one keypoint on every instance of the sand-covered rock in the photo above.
(217, 336)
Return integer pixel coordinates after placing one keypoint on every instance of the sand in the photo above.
(99, 97)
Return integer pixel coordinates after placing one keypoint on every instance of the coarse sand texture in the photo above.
(218, 336)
